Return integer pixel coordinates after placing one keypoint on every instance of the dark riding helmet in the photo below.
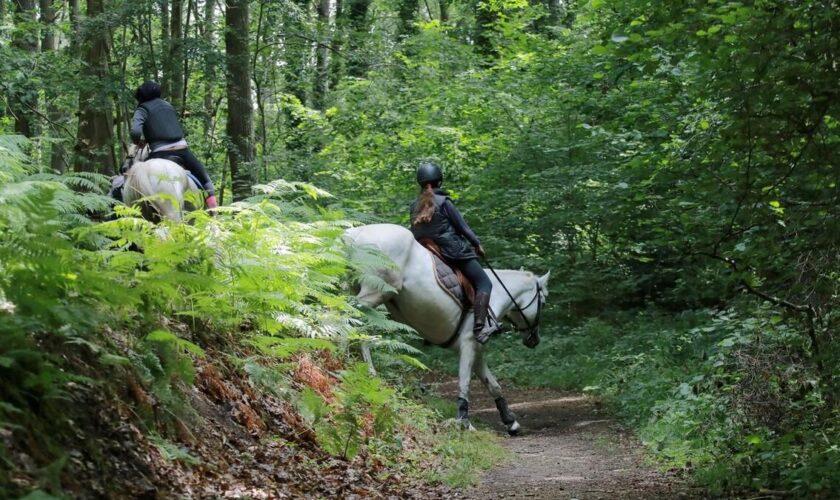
(148, 91)
(429, 173)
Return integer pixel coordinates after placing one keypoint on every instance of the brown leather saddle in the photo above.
(450, 278)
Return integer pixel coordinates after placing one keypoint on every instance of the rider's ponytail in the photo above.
(425, 208)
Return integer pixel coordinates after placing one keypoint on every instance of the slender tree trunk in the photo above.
(165, 51)
(150, 36)
(75, 20)
(357, 27)
(175, 79)
(444, 10)
(258, 80)
(337, 65)
(192, 12)
(240, 108)
(94, 151)
(25, 99)
(209, 64)
(322, 56)
(49, 43)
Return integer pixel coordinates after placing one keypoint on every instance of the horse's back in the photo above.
(420, 302)
(158, 177)
(391, 239)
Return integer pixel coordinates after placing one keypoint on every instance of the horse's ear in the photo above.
(543, 280)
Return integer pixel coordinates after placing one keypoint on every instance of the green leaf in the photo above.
(165, 336)
(600, 50)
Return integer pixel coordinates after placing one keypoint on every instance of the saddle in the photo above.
(450, 278)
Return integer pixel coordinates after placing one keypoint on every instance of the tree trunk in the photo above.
(94, 151)
(240, 109)
(354, 13)
(165, 58)
(24, 100)
(209, 64)
(322, 56)
(175, 79)
(444, 10)
(49, 43)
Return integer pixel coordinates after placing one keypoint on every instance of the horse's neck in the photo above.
(520, 284)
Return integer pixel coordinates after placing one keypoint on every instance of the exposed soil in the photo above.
(568, 447)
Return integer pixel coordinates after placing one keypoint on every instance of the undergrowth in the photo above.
(130, 314)
(731, 395)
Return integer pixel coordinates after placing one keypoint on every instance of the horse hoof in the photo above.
(465, 424)
(514, 429)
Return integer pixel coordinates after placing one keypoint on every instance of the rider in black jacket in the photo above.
(434, 216)
(156, 121)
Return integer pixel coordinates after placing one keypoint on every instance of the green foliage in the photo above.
(172, 452)
(728, 394)
(269, 276)
(364, 410)
(464, 456)
(670, 156)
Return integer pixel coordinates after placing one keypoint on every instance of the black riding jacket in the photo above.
(447, 228)
(158, 122)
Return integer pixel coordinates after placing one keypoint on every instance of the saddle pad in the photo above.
(448, 280)
(194, 179)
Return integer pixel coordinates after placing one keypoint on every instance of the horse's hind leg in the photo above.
(482, 371)
(371, 298)
(467, 351)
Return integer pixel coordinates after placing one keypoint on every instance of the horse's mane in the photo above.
(163, 182)
(527, 274)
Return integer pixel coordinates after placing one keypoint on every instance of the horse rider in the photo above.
(157, 122)
(435, 217)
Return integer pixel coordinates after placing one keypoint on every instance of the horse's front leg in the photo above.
(467, 350)
(482, 371)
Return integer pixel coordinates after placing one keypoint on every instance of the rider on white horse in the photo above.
(435, 217)
(157, 122)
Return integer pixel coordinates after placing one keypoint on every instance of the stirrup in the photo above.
(490, 329)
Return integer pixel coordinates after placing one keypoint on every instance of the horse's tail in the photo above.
(162, 182)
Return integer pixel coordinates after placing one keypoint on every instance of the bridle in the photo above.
(132, 158)
(532, 331)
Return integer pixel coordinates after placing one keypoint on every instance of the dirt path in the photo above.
(569, 447)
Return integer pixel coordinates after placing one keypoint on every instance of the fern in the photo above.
(13, 160)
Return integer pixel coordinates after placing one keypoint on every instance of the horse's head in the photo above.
(133, 154)
(526, 317)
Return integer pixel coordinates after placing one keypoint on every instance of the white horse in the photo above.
(417, 300)
(160, 185)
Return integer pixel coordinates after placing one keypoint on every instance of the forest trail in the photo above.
(569, 447)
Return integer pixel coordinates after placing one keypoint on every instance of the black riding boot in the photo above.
(483, 329)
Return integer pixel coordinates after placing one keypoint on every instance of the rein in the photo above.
(531, 329)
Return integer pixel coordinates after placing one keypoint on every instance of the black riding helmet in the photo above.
(429, 173)
(148, 91)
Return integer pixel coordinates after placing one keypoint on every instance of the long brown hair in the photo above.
(425, 208)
